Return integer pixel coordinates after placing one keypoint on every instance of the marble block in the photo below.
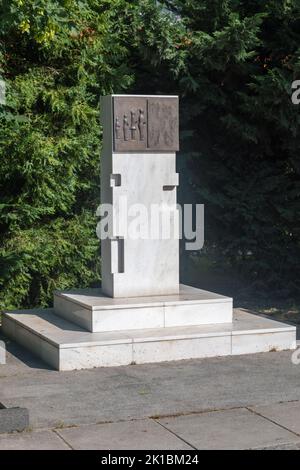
(96, 312)
(66, 346)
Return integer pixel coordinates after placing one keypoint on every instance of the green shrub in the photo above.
(231, 61)
(57, 58)
(243, 140)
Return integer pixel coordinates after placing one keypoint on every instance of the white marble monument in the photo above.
(141, 314)
(138, 166)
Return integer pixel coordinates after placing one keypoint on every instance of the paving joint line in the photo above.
(55, 431)
(174, 434)
(272, 421)
(198, 412)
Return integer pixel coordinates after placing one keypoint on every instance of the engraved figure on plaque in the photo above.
(117, 128)
(125, 127)
(142, 124)
(133, 125)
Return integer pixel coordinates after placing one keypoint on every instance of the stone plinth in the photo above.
(65, 346)
(95, 312)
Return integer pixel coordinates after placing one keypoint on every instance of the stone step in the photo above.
(65, 346)
(92, 310)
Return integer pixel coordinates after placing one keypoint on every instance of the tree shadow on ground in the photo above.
(281, 308)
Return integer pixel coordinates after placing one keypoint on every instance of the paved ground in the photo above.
(231, 402)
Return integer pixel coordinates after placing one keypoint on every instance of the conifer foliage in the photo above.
(57, 57)
(244, 133)
(232, 63)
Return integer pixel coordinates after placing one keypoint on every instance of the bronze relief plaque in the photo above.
(130, 123)
(145, 124)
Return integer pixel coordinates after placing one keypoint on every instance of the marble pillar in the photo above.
(139, 180)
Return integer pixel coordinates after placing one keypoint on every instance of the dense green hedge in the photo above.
(232, 62)
(243, 58)
(57, 58)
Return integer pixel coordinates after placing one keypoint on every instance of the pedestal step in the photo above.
(95, 312)
(65, 346)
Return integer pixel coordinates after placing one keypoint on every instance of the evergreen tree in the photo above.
(57, 58)
(242, 132)
(232, 62)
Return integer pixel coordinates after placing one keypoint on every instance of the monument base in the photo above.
(64, 345)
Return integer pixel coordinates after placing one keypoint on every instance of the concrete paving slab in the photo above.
(40, 440)
(284, 414)
(229, 429)
(130, 435)
(140, 391)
